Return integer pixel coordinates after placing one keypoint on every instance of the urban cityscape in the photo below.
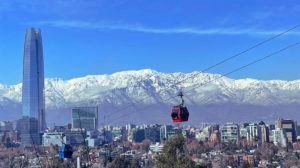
(209, 145)
(209, 120)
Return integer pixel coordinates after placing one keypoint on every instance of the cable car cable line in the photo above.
(219, 77)
(180, 94)
(209, 68)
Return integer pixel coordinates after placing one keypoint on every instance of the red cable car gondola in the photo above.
(180, 113)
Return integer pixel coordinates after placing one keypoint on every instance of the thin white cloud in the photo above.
(178, 30)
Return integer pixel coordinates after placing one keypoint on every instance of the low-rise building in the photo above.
(157, 147)
(75, 137)
(129, 154)
(6, 126)
(53, 138)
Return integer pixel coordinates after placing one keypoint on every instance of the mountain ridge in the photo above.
(146, 87)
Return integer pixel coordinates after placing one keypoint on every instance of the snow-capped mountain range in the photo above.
(149, 94)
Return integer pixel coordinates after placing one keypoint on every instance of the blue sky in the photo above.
(83, 37)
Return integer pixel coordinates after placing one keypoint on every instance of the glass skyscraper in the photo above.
(85, 117)
(33, 92)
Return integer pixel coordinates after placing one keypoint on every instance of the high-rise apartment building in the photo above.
(164, 132)
(130, 126)
(289, 127)
(244, 129)
(85, 117)
(264, 132)
(33, 92)
(254, 132)
(152, 133)
(138, 135)
(215, 137)
(229, 132)
(279, 137)
(271, 127)
(214, 128)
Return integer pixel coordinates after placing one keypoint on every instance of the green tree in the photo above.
(297, 155)
(135, 163)
(146, 145)
(173, 155)
(121, 162)
(203, 148)
(289, 147)
(244, 165)
(55, 162)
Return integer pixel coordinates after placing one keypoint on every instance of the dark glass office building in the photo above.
(85, 117)
(33, 92)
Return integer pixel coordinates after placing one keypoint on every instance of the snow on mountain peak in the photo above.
(150, 86)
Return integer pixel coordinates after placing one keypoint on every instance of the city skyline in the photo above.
(150, 84)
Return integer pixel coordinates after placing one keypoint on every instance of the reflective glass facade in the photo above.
(85, 117)
(33, 96)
